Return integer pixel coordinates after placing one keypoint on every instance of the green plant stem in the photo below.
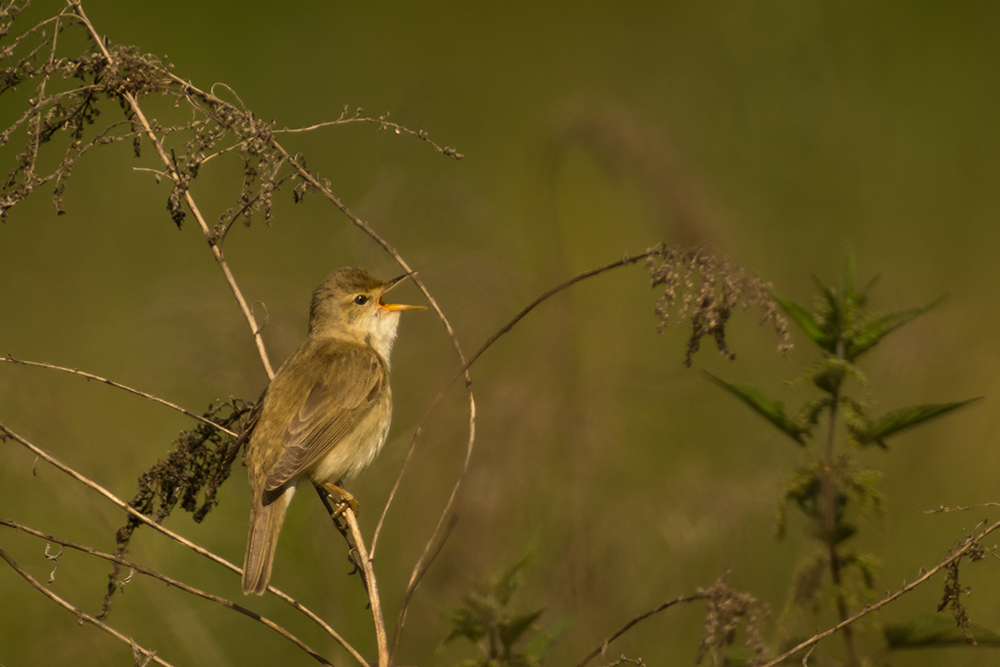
(830, 517)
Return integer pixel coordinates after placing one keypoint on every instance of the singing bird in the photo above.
(325, 415)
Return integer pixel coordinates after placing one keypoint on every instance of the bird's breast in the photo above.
(357, 449)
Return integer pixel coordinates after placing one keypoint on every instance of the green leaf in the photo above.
(505, 585)
(809, 414)
(898, 420)
(872, 334)
(863, 294)
(768, 408)
(535, 648)
(841, 531)
(849, 293)
(464, 624)
(803, 318)
(512, 630)
(929, 631)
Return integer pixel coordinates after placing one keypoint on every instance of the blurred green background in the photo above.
(778, 132)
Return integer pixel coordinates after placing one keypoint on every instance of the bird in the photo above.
(325, 415)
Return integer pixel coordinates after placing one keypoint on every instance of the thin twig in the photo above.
(84, 616)
(641, 617)
(118, 385)
(172, 172)
(384, 124)
(427, 552)
(313, 182)
(625, 261)
(426, 563)
(6, 432)
(959, 508)
(372, 585)
(969, 543)
(171, 581)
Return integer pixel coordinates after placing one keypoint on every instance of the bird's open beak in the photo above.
(397, 306)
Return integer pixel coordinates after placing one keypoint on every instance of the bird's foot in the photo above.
(346, 500)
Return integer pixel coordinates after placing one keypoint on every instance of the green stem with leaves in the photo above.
(830, 488)
(829, 515)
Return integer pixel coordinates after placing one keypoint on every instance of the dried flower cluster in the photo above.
(727, 610)
(193, 470)
(710, 288)
(953, 592)
(71, 89)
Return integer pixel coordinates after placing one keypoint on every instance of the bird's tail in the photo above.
(265, 525)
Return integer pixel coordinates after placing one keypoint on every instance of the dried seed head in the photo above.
(711, 288)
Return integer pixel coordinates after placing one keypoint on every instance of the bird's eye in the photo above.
(361, 299)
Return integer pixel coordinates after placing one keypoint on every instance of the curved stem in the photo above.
(178, 181)
(121, 504)
(139, 651)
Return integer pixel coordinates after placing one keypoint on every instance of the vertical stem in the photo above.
(830, 518)
(361, 559)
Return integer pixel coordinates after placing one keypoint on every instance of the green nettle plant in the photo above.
(503, 636)
(833, 490)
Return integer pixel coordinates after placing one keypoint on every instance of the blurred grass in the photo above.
(800, 126)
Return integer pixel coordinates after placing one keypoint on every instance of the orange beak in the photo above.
(397, 306)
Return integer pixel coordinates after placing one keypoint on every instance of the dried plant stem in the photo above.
(172, 172)
(171, 581)
(942, 509)
(372, 586)
(431, 551)
(383, 123)
(139, 651)
(313, 182)
(118, 385)
(628, 259)
(600, 650)
(970, 542)
(86, 481)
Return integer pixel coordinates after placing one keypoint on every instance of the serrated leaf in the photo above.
(509, 581)
(849, 292)
(925, 631)
(809, 414)
(535, 648)
(842, 531)
(898, 420)
(872, 334)
(803, 318)
(770, 409)
(465, 625)
(512, 630)
(863, 294)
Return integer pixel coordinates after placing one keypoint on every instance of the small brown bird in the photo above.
(326, 413)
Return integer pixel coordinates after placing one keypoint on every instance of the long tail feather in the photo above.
(265, 525)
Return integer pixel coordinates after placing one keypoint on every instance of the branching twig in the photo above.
(383, 123)
(179, 182)
(641, 617)
(171, 581)
(970, 543)
(6, 432)
(959, 508)
(628, 259)
(84, 616)
(118, 385)
(431, 552)
(310, 180)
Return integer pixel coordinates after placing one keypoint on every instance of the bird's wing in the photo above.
(346, 382)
